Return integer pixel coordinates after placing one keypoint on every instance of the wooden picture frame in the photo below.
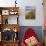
(5, 12)
(13, 12)
(30, 12)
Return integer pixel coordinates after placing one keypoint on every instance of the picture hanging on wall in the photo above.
(30, 12)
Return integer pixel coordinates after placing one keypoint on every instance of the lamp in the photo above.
(15, 30)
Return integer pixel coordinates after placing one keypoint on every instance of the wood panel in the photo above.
(10, 26)
(9, 8)
(10, 43)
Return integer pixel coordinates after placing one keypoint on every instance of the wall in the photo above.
(39, 14)
(39, 11)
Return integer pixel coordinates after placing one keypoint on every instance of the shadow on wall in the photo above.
(37, 29)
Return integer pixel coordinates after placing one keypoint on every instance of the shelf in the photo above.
(5, 8)
(9, 20)
(9, 10)
(11, 41)
(6, 12)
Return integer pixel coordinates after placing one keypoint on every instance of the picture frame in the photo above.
(5, 12)
(13, 12)
(30, 12)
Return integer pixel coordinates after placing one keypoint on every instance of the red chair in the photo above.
(29, 33)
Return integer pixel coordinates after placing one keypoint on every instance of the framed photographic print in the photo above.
(13, 12)
(30, 12)
(5, 12)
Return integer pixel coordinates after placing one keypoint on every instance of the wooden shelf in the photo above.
(4, 13)
(9, 43)
(10, 9)
(5, 8)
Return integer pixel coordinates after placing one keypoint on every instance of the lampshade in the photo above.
(15, 30)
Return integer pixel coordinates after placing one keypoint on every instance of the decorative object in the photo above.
(7, 34)
(5, 12)
(15, 30)
(15, 3)
(30, 12)
(13, 12)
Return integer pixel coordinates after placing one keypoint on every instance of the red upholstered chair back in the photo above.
(29, 33)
